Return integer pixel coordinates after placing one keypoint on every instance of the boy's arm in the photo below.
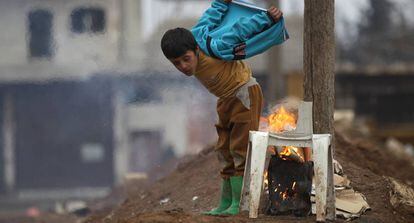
(212, 17)
(245, 28)
(231, 45)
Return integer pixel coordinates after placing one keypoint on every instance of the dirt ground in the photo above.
(43, 218)
(194, 187)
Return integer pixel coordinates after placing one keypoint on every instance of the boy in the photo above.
(216, 63)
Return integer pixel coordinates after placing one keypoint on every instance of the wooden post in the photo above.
(319, 62)
(319, 68)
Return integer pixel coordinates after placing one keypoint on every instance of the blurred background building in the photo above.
(86, 95)
(86, 98)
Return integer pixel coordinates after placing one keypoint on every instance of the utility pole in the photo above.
(319, 68)
(319, 62)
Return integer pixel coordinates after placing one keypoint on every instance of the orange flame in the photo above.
(265, 181)
(284, 195)
(292, 153)
(288, 193)
(281, 121)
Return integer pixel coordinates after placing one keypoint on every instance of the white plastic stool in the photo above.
(302, 136)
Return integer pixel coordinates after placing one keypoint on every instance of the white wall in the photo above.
(170, 120)
(13, 33)
(292, 50)
(73, 53)
(185, 116)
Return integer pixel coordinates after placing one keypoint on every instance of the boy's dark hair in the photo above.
(176, 42)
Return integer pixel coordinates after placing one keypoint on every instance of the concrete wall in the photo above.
(72, 52)
(292, 50)
(185, 117)
(170, 120)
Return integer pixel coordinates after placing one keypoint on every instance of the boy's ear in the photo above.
(197, 51)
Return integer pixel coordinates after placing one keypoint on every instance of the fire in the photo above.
(287, 193)
(281, 121)
(287, 151)
(284, 195)
(265, 181)
(292, 153)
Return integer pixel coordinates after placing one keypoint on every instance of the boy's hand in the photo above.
(275, 13)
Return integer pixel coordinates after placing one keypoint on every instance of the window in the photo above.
(40, 31)
(88, 20)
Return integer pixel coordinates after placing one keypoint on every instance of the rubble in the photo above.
(401, 196)
(341, 182)
(349, 203)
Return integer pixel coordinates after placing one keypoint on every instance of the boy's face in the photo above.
(187, 63)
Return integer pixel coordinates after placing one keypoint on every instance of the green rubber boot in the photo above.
(225, 198)
(236, 187)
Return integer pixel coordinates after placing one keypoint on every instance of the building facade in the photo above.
(84, 100)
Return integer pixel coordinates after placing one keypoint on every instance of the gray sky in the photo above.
(347, 12)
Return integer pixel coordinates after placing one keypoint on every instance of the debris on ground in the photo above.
(401, 196)
(349, 203)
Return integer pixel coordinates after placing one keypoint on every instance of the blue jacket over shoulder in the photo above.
(234, 32)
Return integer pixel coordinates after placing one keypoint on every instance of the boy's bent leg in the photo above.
(239, 142)
(244, 122)
(223, 143)
(226, 161)
(223, 152)
(238, 145)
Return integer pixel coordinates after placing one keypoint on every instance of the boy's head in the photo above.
(180, 47)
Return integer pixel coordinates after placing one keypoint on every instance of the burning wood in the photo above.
(292, 153)
(290, 185)
(289, 177)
